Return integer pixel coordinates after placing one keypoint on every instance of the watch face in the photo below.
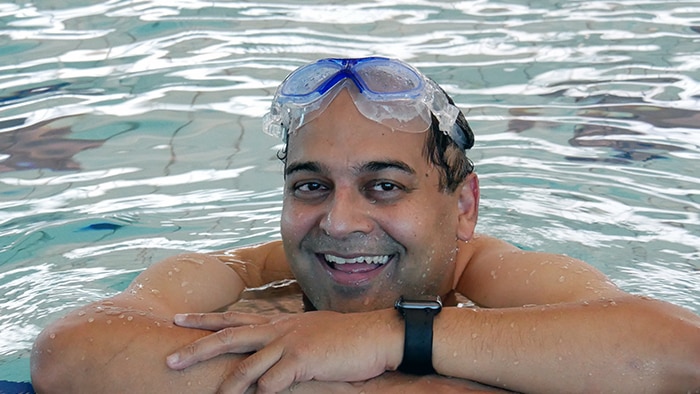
(423, 302)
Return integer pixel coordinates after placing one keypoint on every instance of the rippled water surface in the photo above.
(129, 131)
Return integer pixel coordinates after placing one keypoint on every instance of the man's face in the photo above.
(364, 219)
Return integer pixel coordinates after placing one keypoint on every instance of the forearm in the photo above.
(629, 345)
(121, 343)
(105, 349)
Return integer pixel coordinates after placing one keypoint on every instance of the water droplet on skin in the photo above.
(184, 284)
(516, 362)
(475, 335)
(53, 335)
(130, 318)
(91, 319)
(454, 355)
(107, 303)
(562, 279)
(81, 313)
(109, 321)
(493, 274)
(99, 309)
(155, 291)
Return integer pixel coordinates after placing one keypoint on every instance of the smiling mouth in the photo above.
(359, 264)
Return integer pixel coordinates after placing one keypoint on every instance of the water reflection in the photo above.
(617, 123)
(40, 146)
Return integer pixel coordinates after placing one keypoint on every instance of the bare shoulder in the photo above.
(257, 264)
(498, 274)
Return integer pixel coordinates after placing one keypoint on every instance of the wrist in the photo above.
(392, 337)
(418, 315)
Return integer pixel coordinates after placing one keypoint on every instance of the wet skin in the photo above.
(364, 218)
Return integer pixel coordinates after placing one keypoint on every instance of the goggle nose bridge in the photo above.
(344, 73)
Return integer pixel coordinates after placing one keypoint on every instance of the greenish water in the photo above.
(130, 131)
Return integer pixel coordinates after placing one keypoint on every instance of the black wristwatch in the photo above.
(418, 314)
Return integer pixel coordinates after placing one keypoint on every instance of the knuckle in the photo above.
(242, 369)
(268, 384)
(190, 350)
(197, 318)
(226, 335)
(229, 316)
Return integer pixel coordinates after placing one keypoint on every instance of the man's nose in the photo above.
(347, 212)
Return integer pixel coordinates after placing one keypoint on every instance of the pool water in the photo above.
(130, 131)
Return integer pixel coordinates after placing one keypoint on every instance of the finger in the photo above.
(248, 371)
(229, 340)
(281, 376)
(218, 321)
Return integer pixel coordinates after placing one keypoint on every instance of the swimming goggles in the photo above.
(387, 91)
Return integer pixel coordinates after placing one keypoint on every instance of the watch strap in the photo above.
(418, 342)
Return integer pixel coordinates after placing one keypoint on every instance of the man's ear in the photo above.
(468, 205)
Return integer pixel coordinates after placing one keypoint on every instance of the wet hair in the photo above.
(450, 159)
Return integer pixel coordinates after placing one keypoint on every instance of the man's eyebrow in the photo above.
(310, 166)
(376, 166)
(372, 166)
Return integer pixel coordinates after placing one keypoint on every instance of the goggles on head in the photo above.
(384, 90)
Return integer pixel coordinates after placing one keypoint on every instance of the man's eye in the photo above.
(309, 187)
(384, 191)
(384, 187)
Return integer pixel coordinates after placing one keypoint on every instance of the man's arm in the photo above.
(120, 344)
(259, 264)
(553, 316)
(549, 324)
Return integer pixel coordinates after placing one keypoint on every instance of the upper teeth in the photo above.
(355, 260)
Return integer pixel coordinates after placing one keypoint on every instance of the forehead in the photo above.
(343, 136)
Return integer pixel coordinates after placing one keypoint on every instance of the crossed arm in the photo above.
(584, 331)
(120, 344)
(549, 324)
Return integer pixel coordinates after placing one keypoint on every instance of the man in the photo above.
(380, 206)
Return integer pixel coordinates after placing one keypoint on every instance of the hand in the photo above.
(325, 346)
